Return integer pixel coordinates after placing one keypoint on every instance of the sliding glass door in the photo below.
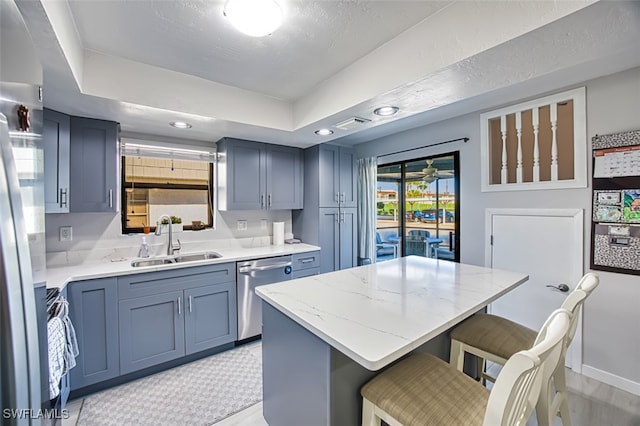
(418, 208)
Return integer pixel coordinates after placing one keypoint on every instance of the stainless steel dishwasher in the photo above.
(250, 275)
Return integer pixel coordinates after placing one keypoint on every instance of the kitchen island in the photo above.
(327, 335)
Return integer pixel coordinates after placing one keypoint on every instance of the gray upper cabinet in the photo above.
(56, 139)
(329, 216)
(94, 165)
(93, 310)
(284, 178)
(337, 183)
(258, 176)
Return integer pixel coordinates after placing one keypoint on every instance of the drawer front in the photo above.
(147, 284)
(304, 273)
(302, 261)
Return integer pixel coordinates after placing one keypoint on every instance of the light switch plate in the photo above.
(66, 233)
(242, 225)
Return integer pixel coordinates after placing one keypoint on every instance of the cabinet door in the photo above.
(151, 330)
(329, 182)
(348, 178)
(242, 175)
(94, 181)
(210, 316)
(93, 310)
(348, 238)
(329, 240)
(55, 137)
(284, 178)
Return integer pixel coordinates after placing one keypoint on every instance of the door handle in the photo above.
(343, 197)
(261, 201)
(307, 260)
(111, 198)
(190, 307)
(179, 306)
(337, 197)
(337, 218)
(269, 197)
(562, 287)
(342, 217)
(245, 269)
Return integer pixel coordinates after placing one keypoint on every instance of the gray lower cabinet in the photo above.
(151, 331)
(338, 239)
(210, 318)
(93, 309)
(305, 264)
(170, 314)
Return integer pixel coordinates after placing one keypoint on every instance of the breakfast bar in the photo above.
(325, 336)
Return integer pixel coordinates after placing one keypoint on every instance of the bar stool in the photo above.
(493, 338)
(424, 390)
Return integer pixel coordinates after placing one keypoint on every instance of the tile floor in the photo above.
(591, 402)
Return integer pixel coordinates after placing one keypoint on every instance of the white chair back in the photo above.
(574, 302)
(517, 388)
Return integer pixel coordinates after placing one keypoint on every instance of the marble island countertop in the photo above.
(377, 313)
(58, 277)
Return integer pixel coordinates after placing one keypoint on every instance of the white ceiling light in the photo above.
(386, 111)
(180, 125)
(324, 132)
(256, 18)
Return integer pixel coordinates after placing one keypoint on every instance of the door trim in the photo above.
(574, 356)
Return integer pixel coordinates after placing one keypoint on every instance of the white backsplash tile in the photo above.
(97, 236)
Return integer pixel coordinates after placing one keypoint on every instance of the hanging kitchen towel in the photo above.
(278, 233)
(57, 348)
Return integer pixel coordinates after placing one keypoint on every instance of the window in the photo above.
(152, 187)
(418, 208)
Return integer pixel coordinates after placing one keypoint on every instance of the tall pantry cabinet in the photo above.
(329, 218)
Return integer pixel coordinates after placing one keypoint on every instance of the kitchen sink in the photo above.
(195, 257)
(175, 259)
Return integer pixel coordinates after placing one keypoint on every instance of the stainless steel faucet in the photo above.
(171, 249)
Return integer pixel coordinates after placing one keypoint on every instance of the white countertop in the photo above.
(58, 277)
(377, 313)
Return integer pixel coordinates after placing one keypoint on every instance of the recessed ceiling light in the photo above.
(386, 111)
(255, 18)
(180, 125)
(324, 132)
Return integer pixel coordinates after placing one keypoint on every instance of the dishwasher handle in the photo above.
(249, 269)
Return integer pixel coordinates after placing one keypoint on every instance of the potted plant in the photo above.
(176, 223)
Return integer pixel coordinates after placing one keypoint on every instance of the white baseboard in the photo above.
(612, 380)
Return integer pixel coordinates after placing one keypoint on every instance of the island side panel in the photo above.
(296, 372)
(347, 378)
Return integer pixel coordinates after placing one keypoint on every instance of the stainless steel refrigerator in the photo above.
(22, 236)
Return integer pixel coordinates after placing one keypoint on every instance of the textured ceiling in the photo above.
(146, 63)
(317, 39)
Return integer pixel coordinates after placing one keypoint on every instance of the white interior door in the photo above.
(547, 245)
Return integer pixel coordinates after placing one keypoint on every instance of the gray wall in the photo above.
(611, 341)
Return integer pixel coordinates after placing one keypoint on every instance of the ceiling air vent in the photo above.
(352, 123)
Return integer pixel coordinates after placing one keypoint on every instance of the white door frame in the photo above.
(577, 263)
